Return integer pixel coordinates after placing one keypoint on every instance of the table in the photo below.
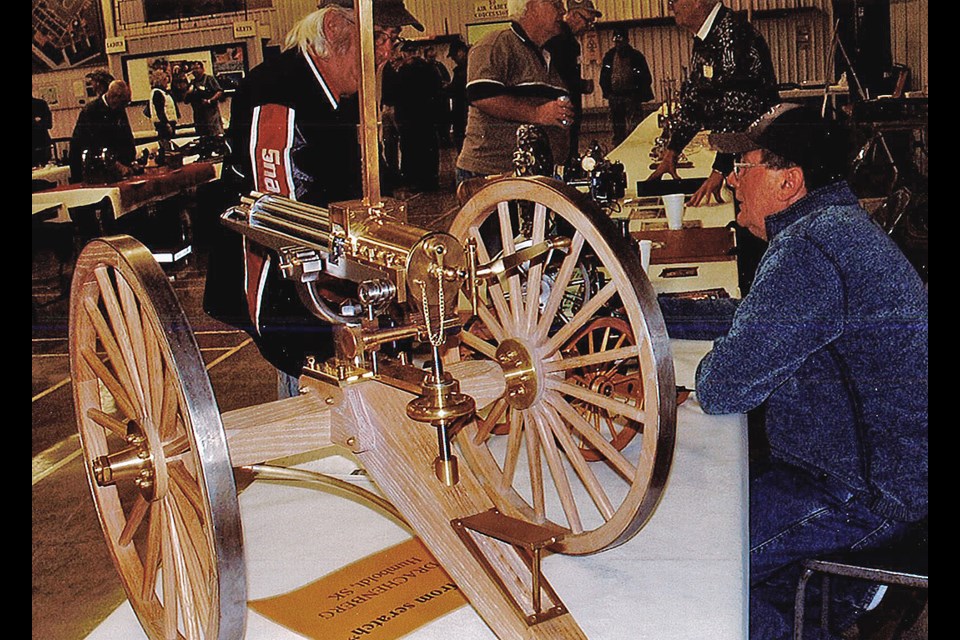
(156, 184)
(634, 153)
(52, 173)
(135, 193)
(685, 575)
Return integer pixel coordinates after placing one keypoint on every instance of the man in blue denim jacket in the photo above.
(831, 346)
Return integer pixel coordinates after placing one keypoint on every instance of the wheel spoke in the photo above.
(582, 317)
(557, 472)
(183, 589)
(493, 325)
(187, 485)
(514, 443)
(168, 571)
(154, 547)
(193, 523)
(478, 344)
(113, 385)
(176, 447)
(559, 287)
(131, 314)
(597, 441)
(494, 290)
(615, 407)
(509, 248)
(615, 356)
(533, 463)
(154, 365)
(107, 421)
(486, 425)
(535, 278)
(168, 412)
(109, 343)
(114, 313)
(134, 520)
(191, 567)
(590, 481)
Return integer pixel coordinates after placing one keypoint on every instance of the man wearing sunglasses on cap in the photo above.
(830, 345)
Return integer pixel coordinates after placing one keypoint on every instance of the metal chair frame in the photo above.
(829, 568)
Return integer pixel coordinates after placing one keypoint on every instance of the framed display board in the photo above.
(228, 63)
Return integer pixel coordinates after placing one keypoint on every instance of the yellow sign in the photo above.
(245, 29)
(381, 597)
(115, 45)
(490, 8)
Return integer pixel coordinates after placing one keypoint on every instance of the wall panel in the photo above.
(667, 48)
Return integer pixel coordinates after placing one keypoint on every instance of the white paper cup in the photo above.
(674, 204)
(645, 247)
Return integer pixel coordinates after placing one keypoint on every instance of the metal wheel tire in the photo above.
(536, 468)
(154, 446)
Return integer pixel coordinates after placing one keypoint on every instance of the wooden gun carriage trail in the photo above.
(544, 417)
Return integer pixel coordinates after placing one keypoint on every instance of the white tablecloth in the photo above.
(684, 576)
(91, 194)
(52, 173)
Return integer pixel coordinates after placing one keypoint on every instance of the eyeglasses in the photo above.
(740, 167)
(586, 16)
(382, 37)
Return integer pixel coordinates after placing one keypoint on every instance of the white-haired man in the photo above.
(293, 133)
(510, 81)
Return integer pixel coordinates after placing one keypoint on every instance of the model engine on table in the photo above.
(394, 263)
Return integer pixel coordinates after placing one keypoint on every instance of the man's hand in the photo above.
(668, 164)
(712, 186)
(556, 113)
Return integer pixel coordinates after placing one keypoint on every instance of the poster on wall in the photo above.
(227, 62)
(67, 34)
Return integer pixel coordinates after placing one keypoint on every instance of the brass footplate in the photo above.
(528, 540)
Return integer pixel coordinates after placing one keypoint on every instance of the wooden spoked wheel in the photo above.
(155, 450)
(551, 463)
(616, 379)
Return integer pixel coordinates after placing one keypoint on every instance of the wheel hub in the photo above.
(520, 373)
(135, 463)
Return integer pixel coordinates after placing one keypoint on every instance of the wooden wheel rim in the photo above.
(646, 466)
(181, 542)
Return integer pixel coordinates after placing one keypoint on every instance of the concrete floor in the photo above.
(75, 585)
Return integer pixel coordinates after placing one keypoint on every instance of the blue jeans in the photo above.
(288, 386)
(795, 516)
(463, 174)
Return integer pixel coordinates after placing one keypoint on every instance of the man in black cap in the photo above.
(564, 48)
(626, 84)
(293, 133)
(831, 346)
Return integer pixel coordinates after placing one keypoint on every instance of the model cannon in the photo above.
(549, 373)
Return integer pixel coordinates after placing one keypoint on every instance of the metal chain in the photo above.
(435, 340)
